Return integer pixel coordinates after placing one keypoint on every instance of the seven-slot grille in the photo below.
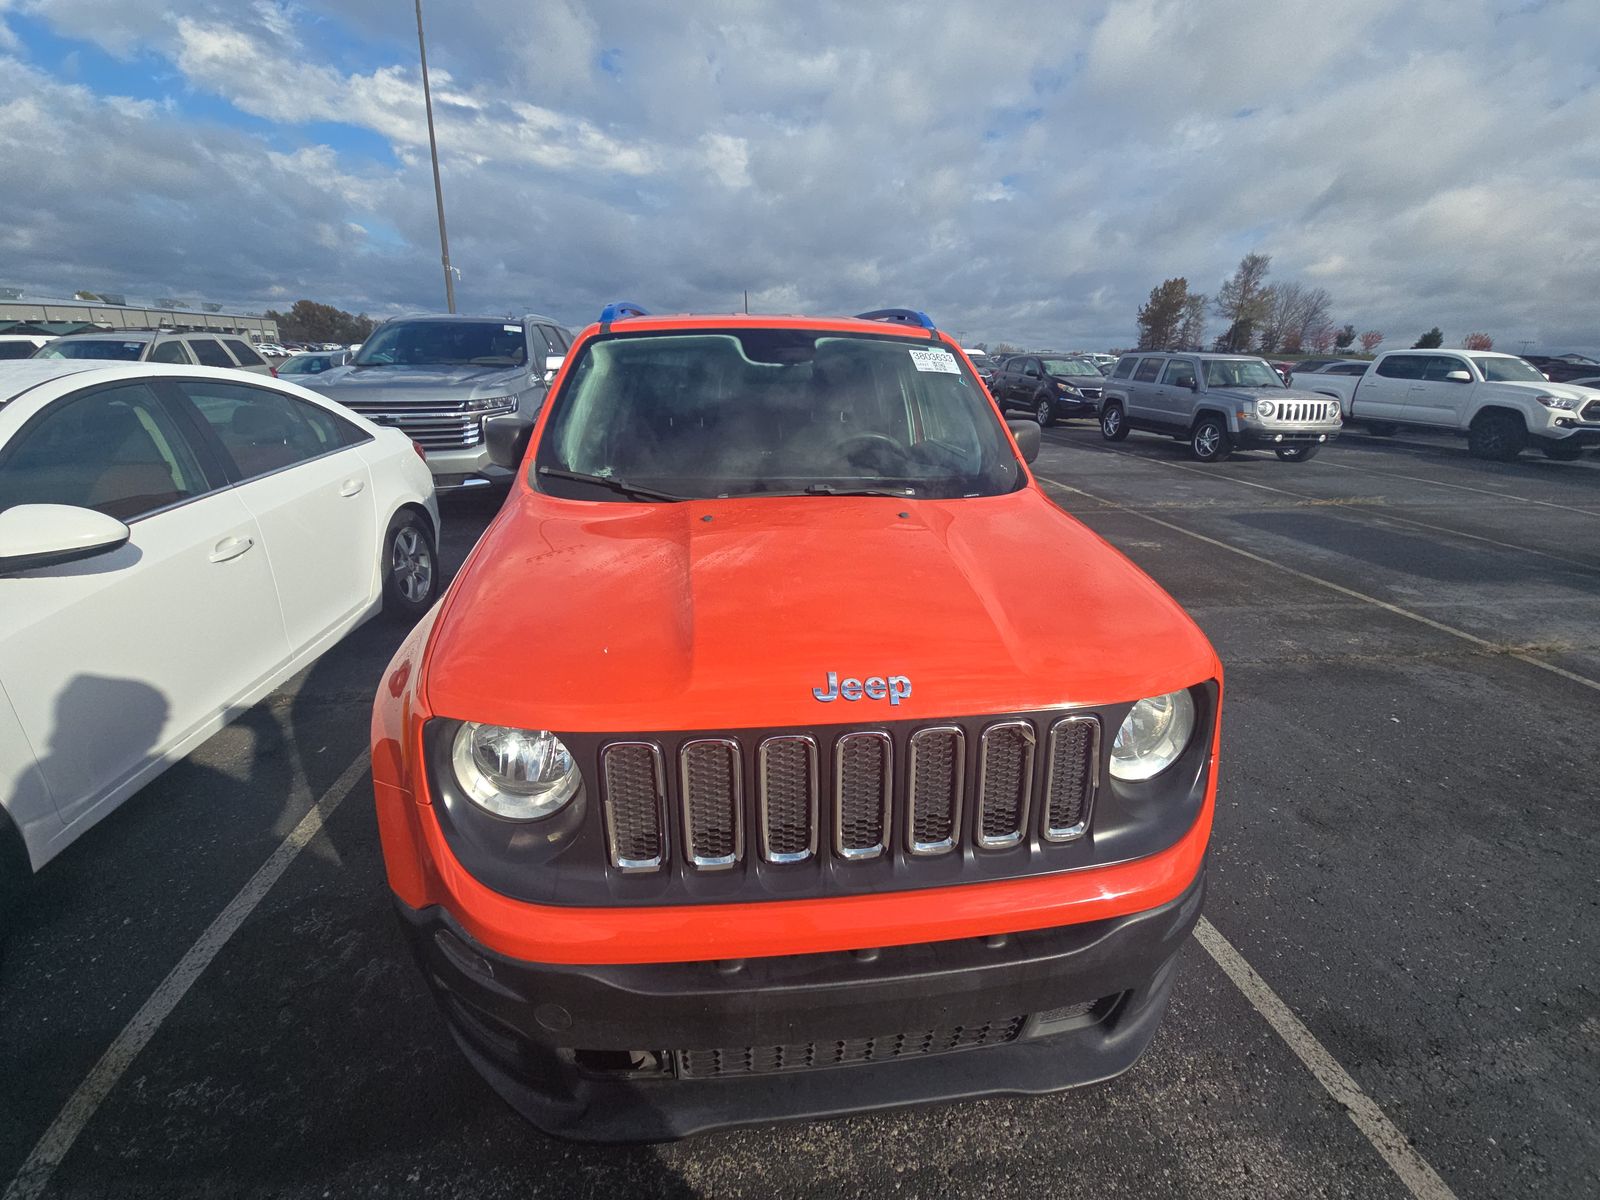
(432, 424)
(1292, 412)
(847, 797)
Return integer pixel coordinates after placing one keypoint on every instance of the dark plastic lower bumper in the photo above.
(1580, 435)
(599, 1053)
(1282, 439)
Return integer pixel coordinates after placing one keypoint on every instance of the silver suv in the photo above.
(441, 379)
(228, 350)
(1218, 403)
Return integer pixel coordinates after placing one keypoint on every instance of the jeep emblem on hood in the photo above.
(893, 688)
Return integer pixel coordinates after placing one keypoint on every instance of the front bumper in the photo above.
(646, 1052)
(462, 470)
(1268, 437)
(1582, 435)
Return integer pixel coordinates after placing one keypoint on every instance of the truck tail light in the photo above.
(421, 453)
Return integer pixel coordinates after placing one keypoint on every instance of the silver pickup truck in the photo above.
(1217, 403)
(440, 379)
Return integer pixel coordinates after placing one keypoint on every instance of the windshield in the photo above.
(306, 364)
(114, 348)
(1240, 372)
(445, 344)
(1068, 366)
(724, 413)
(1508, 370)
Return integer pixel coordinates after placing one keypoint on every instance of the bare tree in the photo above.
(1320, 338)
(1371, 340)
(1243, 300)
(1282, 315)
(1478, 341)
(1312, 313)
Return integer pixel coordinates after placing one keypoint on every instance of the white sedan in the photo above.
(175, 542)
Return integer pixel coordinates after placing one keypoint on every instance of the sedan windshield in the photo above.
(1508, 370)
(445, 344)
(306, 364)
(727, 413)
(1069, 366)
(1240, 372)
(113, 348)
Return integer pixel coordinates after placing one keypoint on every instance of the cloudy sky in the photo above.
(1024, 171)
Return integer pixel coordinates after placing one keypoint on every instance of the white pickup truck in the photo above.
(1498, 402)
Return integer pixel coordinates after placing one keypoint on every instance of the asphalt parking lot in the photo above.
(1407, 851)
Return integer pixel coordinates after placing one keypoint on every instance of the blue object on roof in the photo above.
(619, 309)
(901, 316)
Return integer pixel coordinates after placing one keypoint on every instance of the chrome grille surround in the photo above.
(787, 823)
(863, 793)
(635, 791)
(1073, 773)
(1303, 412)
(433, 424)
(936, 784)
(1005, 784)
(712, 778)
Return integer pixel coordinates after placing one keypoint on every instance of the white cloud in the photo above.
(1026, 172)
(727, 158)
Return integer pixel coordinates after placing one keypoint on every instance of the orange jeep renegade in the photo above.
(782, 751)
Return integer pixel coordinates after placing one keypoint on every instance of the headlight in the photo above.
(491, 403)
(1265, 408)
(1067, 388)
(1154, 734)
(1557, 402)
(519, 774)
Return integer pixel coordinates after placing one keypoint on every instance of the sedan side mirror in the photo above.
(507, 439)
(1027, 435)
(1458, 376)
(47, 535)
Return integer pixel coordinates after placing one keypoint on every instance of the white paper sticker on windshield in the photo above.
(512, 328)
(935, 360)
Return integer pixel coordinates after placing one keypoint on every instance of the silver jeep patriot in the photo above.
(1218, 403)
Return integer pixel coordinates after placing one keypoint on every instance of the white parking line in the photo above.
(1421, 1180)
(1484, 643)
(1347, 507)
(1462, 487)
(52, 1147)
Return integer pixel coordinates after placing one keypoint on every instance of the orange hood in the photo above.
(718, 614)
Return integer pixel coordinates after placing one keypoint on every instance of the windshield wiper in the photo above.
(827, 489)
(615, 485)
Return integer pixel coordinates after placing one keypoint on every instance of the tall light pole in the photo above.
(433, 149)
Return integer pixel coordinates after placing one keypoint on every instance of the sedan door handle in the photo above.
(231, 547)
(351, 487)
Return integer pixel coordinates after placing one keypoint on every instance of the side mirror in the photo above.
(1027, 435)
(47, 535)
(1194, 385)
(1458, 376)
(507, 439)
